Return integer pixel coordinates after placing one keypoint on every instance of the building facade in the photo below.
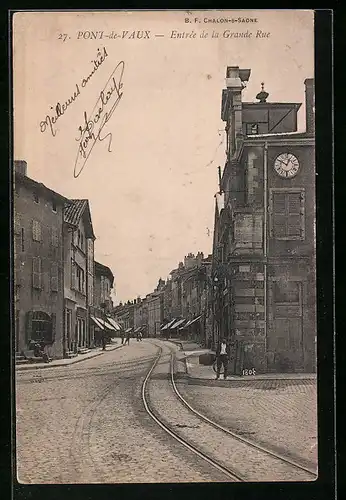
(124, 314)
(103, 286)
(155, 302)
(101, 322)
(263, 269)
(78, 276)
(195, 283)
(38, 263)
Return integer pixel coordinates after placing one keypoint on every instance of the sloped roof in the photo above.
(101, 269)
(74, 211)
(31, 183)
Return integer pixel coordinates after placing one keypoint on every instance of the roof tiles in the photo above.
(74, 210)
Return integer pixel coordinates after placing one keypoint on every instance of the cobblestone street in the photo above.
(86, 424)
(279, 414)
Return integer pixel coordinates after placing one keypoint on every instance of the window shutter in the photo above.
(73, 275)
(53, 318)
(28, 329)
(36, 272)
(287, 214)
(279, 225)
(36, 230)
(294, 225)
(55, 240)
(279, 215)
(54, 283)
(279, 203)
(294, 203)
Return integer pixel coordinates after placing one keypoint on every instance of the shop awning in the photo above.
(138, 329)
(168, 324)
(114, 323)
(196, 319)
(190, 322)
(104, 324)
(128, 330)
(184, 326)
(97, 322)
(177, 323)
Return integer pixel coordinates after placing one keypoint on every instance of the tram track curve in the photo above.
(281, 463)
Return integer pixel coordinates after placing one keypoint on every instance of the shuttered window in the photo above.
(36, 272)
(54, 277)
(90, 292)
(55, 237)
(287, 214)
(36, 230)
(73, 274)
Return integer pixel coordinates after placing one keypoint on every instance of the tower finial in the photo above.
(262, 96)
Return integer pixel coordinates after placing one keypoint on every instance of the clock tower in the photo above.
(266, 233)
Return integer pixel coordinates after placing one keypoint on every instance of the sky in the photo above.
(152, 195)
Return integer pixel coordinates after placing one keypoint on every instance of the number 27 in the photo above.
(62, 36)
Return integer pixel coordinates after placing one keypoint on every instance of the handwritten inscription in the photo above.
(61, 107)
(90, 131)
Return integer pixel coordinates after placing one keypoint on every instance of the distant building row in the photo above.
(179, 305)
(62, 296)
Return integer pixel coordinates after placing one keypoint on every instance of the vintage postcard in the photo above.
(164, 246)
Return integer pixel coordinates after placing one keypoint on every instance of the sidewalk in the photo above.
(97, 351)
(190, 352)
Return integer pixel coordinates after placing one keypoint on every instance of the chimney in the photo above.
(235, 79)
(310, 105)
(20, 167)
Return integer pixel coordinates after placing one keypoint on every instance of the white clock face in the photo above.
(286, 165)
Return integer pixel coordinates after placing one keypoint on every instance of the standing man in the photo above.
(122, 337)
(103, 339)
(127, 340)
(222, 356)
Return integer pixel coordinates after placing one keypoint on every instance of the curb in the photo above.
(48, 365)
(245, 381)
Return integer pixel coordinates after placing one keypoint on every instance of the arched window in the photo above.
(41, 327)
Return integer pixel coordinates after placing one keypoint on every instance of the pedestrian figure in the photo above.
(127, 341)
(140, 336)
(122, 337)
(39, 351)
(222, 357)
(103, 343)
